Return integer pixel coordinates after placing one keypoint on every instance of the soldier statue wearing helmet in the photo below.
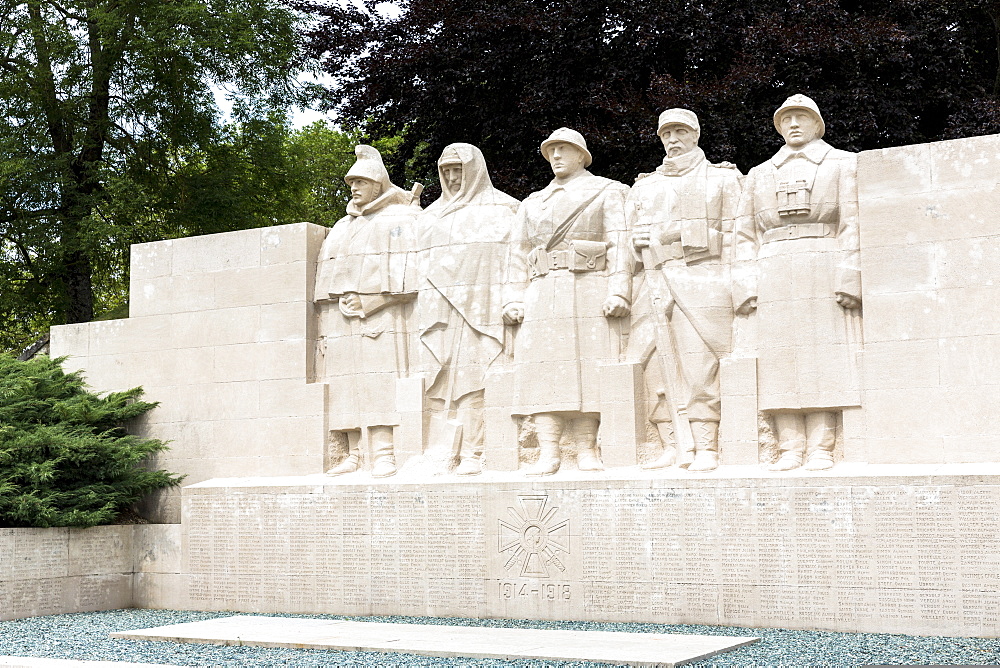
(568, 275)
(797, 267)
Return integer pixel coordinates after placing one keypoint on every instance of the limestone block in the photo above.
(90, 593)
(100, 550)
(738, 426)
(171, 294)
(623, 427)
(37, 553)
(902, 170)
(216, 252)
(973, 262)
(895, 220)
(907, 413)
(222, 401)
(970, 361)
(289, 321)
(131, 335)
(297, 242)
(272, 284)
(278, 360)
(965, 163)
(500, 441)
(903, 317)
(290, 397)
(854, 431)
(971, 311)
(237, 362)
(71, 340)
(902, 364)
(151, 260)
(193, 366)
(214, 328)
(164, 506)
(32, 598)
(167, 591)
(293, 436)
(408, 437)
(156, 548)
(895, 269)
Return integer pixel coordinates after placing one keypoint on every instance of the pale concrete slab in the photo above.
(475, 642)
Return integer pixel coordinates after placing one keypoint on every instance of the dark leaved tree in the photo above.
(503, 75)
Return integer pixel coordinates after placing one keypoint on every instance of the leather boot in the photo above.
(585, 438)
(549, 429)
(383, 458)
(348, 464)
(669, 455)
(821, 436)
(469, 466)
(706, 444)
(790, 428)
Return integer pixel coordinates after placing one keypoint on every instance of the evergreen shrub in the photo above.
(65, 457)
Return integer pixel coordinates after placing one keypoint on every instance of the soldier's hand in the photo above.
(847, 301)
(616, 307)
(513, 313)
(352, 302)
(747, 307)
(640, 240)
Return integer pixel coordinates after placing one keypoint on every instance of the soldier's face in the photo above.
(798, 127)
(566, 159)
(363, 191)
(678, 139)
(452, 176)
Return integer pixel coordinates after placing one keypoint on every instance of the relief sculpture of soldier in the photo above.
(463, 239)
(797, 255)
(361, 274)
(682, 218)
(568, 277)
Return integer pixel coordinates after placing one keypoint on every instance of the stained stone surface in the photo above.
(906, 550)
(50, 571)
(631, 649)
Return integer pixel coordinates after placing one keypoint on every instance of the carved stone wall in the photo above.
(55, 571)
(907, 553)
(219, 332)
(222, 331)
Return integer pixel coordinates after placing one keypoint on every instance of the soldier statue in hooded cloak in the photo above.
(797, 265)
(463, 239)
(362, 275)
(569, 276)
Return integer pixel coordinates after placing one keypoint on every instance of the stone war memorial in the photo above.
(763, 399)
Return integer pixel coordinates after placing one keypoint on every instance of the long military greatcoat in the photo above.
(797, 246)
(565, 335)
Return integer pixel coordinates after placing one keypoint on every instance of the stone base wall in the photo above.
(905, 550)
(56, 571)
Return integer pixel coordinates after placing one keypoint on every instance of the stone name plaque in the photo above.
(920, 555)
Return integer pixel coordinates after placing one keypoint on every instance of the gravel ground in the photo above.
(85, 636)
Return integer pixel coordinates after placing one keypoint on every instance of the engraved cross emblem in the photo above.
(533, 539)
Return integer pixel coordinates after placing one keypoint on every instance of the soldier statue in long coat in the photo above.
(569, 273)
(363, 271)
(797, 254)
(463, 239)
(682, 218)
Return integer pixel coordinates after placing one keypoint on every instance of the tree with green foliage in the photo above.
(503, 75)
(65, 458)
(102, 102)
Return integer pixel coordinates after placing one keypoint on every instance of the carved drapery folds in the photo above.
(602, 313)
